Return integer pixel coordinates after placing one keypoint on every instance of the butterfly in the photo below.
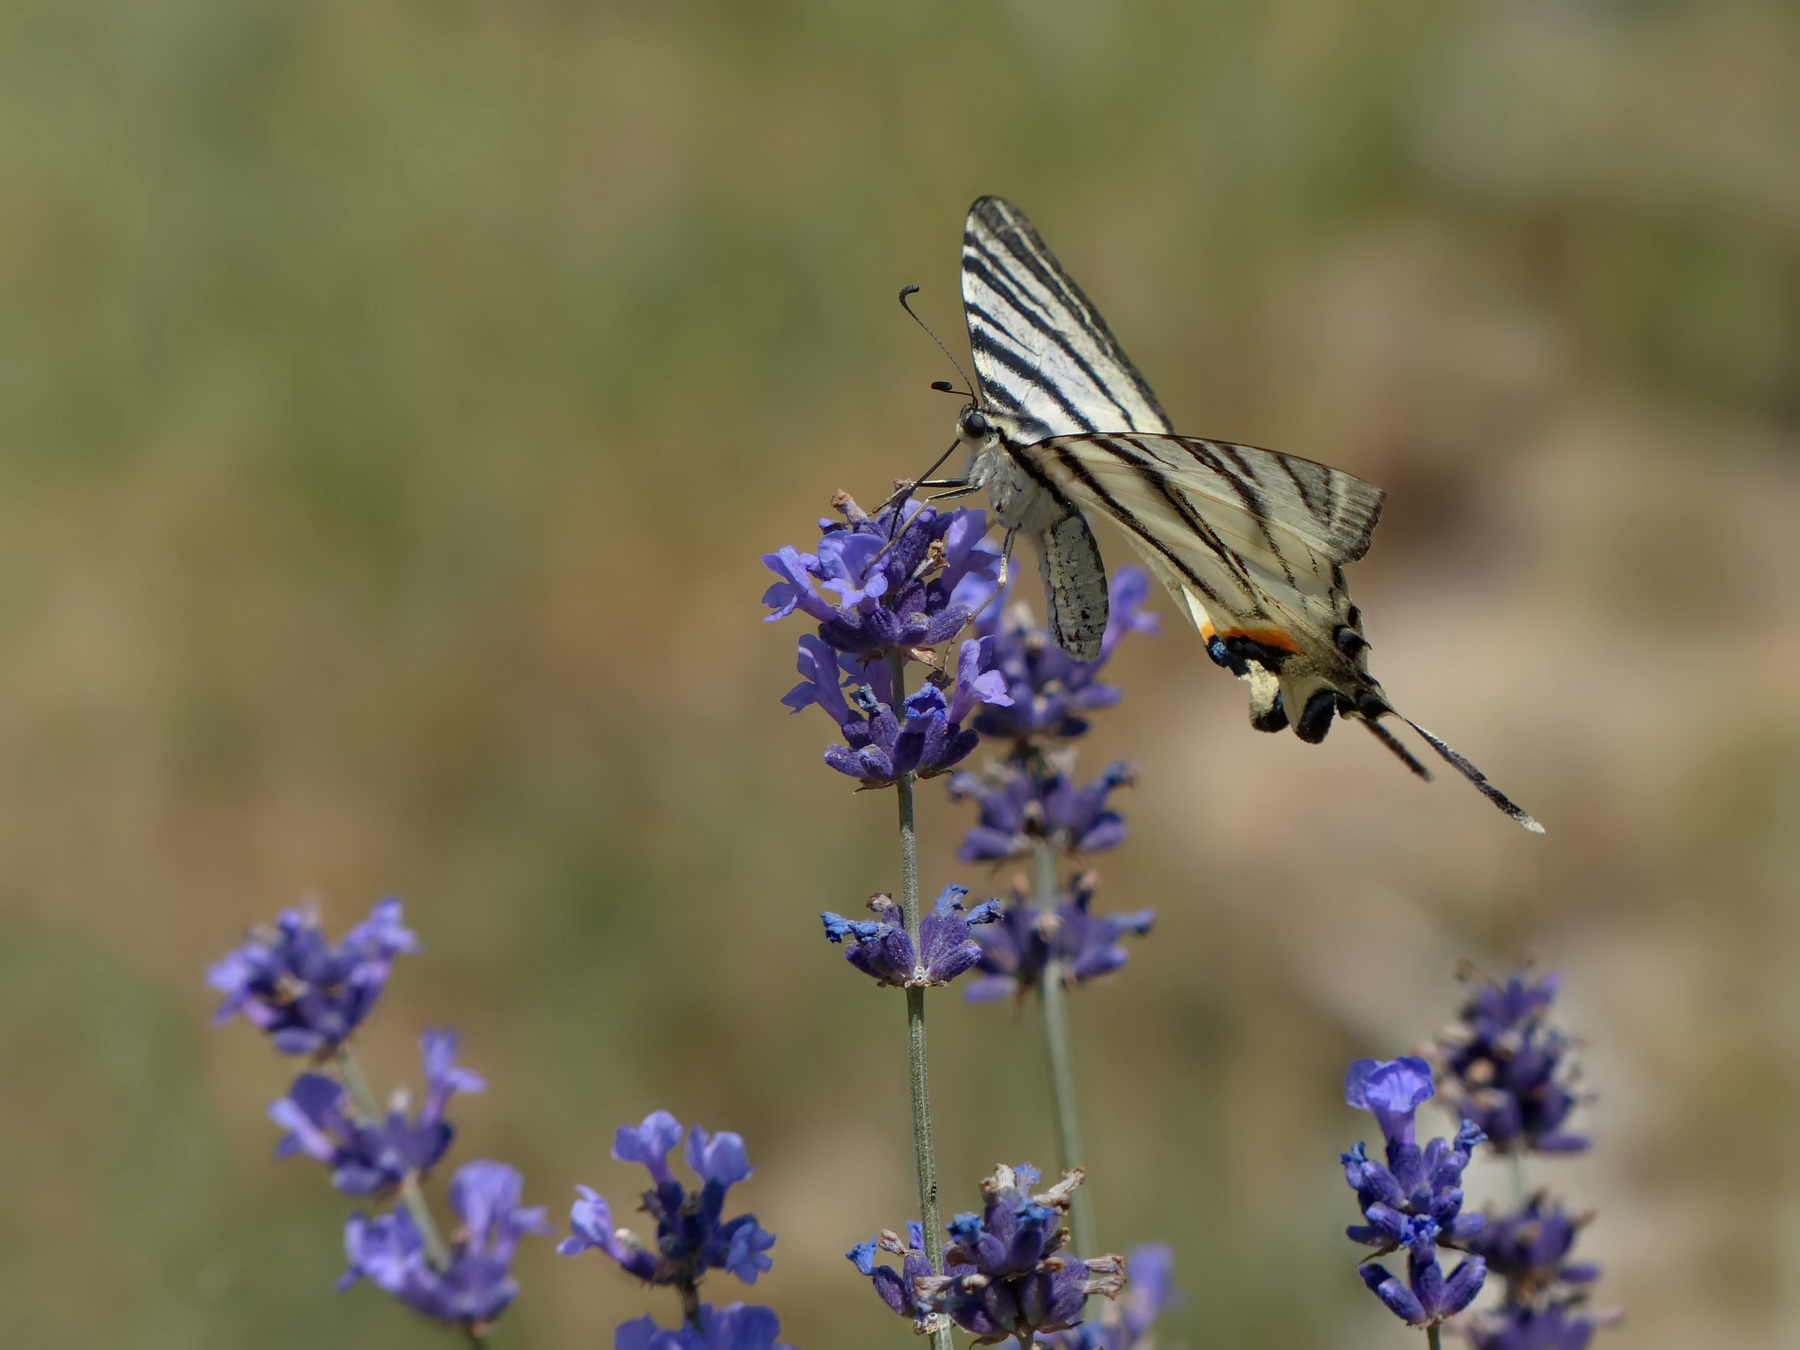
(1251, 544)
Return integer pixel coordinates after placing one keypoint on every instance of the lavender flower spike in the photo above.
(1505, 1068)
(1050, 690)
(884, 951)
(737, 1326)
(692, 1236)
(1556, 1326)
(1127, 1323)
(898, 1288)
(1019, 809)
(372, 1157)
(1427, 1297)
(304, 993)
(882, 747)
(1417, 1184)
(903, 579)
(477, 1286)
(1017, 950)
(1005, 1274)
(1530, 1250)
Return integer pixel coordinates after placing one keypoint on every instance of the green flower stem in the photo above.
(1518, 1178)
(436, 1253)
(1054, 1000)
(1431, 1338)
(923, 1158)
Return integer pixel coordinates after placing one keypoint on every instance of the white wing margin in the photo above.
(1042, 353)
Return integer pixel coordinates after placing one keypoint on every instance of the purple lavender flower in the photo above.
(1017, 949)
(1427, 1297)
(883, 950)
(737, 1326)
(886, 590)
(1418, 1183)
(1049, 688)
(691, 1235)
(306, 994)
(882, 747)
(1392, 1091)
(1505, 1069)
(1020, 809)
(477, 1285)
(1126, 1323)
(372, 1157)
(1005, 1274)
(899, 1288)
(1530, 1250)
(1559, 1326)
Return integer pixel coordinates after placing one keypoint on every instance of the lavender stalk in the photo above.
(1055, 1008)
(924, 1159)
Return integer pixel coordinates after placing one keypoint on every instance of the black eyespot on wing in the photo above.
(1349, 641)
(1315, 721)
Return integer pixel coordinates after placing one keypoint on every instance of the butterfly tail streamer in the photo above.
(1455, 760)
(1393, 743)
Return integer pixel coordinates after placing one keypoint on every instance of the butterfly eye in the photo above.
(975, 427)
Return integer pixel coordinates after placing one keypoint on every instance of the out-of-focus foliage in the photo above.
(394, 398)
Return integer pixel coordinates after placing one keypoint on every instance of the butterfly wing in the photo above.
(1252, 546)
(1255, 562)
(1043, 355)
(1045, 359)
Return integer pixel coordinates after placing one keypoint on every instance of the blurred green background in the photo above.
(395, 397)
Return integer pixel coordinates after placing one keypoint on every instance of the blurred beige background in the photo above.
(394, 399)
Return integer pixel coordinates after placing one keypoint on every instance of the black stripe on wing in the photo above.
(1288, 500)
(1040, 347)
(995, 335)
(1071, 464)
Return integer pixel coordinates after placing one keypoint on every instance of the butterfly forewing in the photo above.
(1042, 353)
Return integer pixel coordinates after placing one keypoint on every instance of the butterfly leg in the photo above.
(1006, 547)
(962, 489)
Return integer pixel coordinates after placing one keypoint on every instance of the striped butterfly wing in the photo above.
(1252, 545)
(1046, 361)
(1043, 355)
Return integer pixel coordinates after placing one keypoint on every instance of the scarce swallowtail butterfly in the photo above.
(1251, 544)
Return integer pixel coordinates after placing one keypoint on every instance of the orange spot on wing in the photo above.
(1268, 637)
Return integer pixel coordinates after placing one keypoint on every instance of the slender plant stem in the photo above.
(410, 1195)
(1054, 999)
(1431, 1338)
(1518, 1178)
(923, 1158)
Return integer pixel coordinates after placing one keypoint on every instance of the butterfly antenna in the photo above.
(906, 294)
(1456, 761)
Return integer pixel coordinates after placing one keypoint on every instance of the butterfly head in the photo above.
(973, 426)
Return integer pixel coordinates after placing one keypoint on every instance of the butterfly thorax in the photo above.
(1019, 501)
